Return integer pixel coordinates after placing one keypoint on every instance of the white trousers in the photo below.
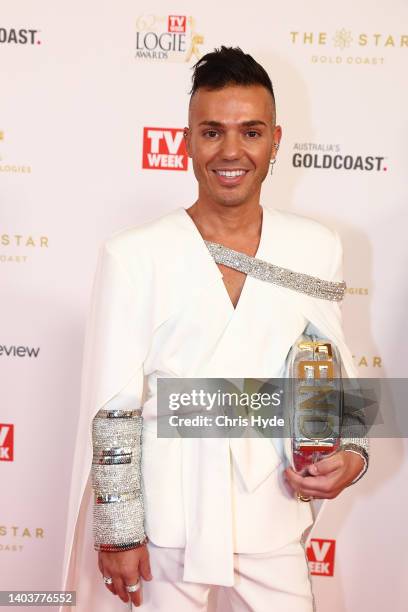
(278, 581)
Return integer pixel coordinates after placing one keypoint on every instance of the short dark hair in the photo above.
(229, 66)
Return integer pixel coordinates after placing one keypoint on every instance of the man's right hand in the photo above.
(125, 568)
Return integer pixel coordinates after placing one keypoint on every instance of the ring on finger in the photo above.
(132, 588)
(303, 498)
(107, 580)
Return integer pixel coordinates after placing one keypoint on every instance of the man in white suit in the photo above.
(182, 515)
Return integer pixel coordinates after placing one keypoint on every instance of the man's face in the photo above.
(231, 141)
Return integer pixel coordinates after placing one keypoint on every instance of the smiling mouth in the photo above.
(230, 173)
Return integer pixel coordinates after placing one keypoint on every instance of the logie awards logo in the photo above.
(172, 38)
(10, 167)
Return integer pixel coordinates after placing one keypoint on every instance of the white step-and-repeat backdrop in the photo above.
(83, 85)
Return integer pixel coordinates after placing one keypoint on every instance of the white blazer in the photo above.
(160, 308)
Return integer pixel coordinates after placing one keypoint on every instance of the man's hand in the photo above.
(328, 477)
(126, 568)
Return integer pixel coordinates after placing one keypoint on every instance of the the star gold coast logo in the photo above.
(13, 537)
(10, 167)
(329, 156)
(172, 38)
(344, 46)
(368, 361)
(22, 245)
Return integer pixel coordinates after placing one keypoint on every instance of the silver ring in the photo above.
(107, 580)
(132, 588)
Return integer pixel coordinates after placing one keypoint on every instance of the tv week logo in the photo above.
(164, 149)
(177, 23)
(6, 442)
(320, 555)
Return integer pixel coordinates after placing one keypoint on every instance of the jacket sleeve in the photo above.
(117, 343)
(353, 428)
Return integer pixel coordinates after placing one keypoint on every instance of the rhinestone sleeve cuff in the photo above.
(359, 446)
(118, 513)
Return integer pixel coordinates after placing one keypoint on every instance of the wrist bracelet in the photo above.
(121, 547)
(358, 450)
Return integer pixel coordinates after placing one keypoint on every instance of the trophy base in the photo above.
(305, 456)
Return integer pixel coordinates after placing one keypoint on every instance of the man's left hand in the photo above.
(328, 477)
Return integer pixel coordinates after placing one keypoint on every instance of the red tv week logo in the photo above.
(177, 23)
(6, 442)
(320, 555)
(164, 149)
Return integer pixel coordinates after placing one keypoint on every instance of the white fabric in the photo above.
(160, 308)
(264, 582)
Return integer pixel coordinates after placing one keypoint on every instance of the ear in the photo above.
(277, 135)
(187, 140)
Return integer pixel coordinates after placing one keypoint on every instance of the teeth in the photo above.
(231, 173)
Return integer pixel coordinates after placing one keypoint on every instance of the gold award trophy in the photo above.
(315, 401)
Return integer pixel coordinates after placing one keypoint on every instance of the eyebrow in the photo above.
(218, 124)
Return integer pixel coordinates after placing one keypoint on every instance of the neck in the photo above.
(228, 225)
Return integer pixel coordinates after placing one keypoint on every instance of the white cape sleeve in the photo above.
(117, 340)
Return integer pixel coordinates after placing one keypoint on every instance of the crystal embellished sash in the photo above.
(263, 270)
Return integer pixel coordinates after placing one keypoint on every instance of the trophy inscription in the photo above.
(315, 401)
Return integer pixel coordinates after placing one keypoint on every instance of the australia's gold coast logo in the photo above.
(173, 38)
(345, 46)
(22, 36)
(330, 156)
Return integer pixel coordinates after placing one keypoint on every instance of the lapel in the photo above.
(258, 333)
(285, 314)
(254, 342)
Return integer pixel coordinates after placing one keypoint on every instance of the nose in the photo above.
(231, 146)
